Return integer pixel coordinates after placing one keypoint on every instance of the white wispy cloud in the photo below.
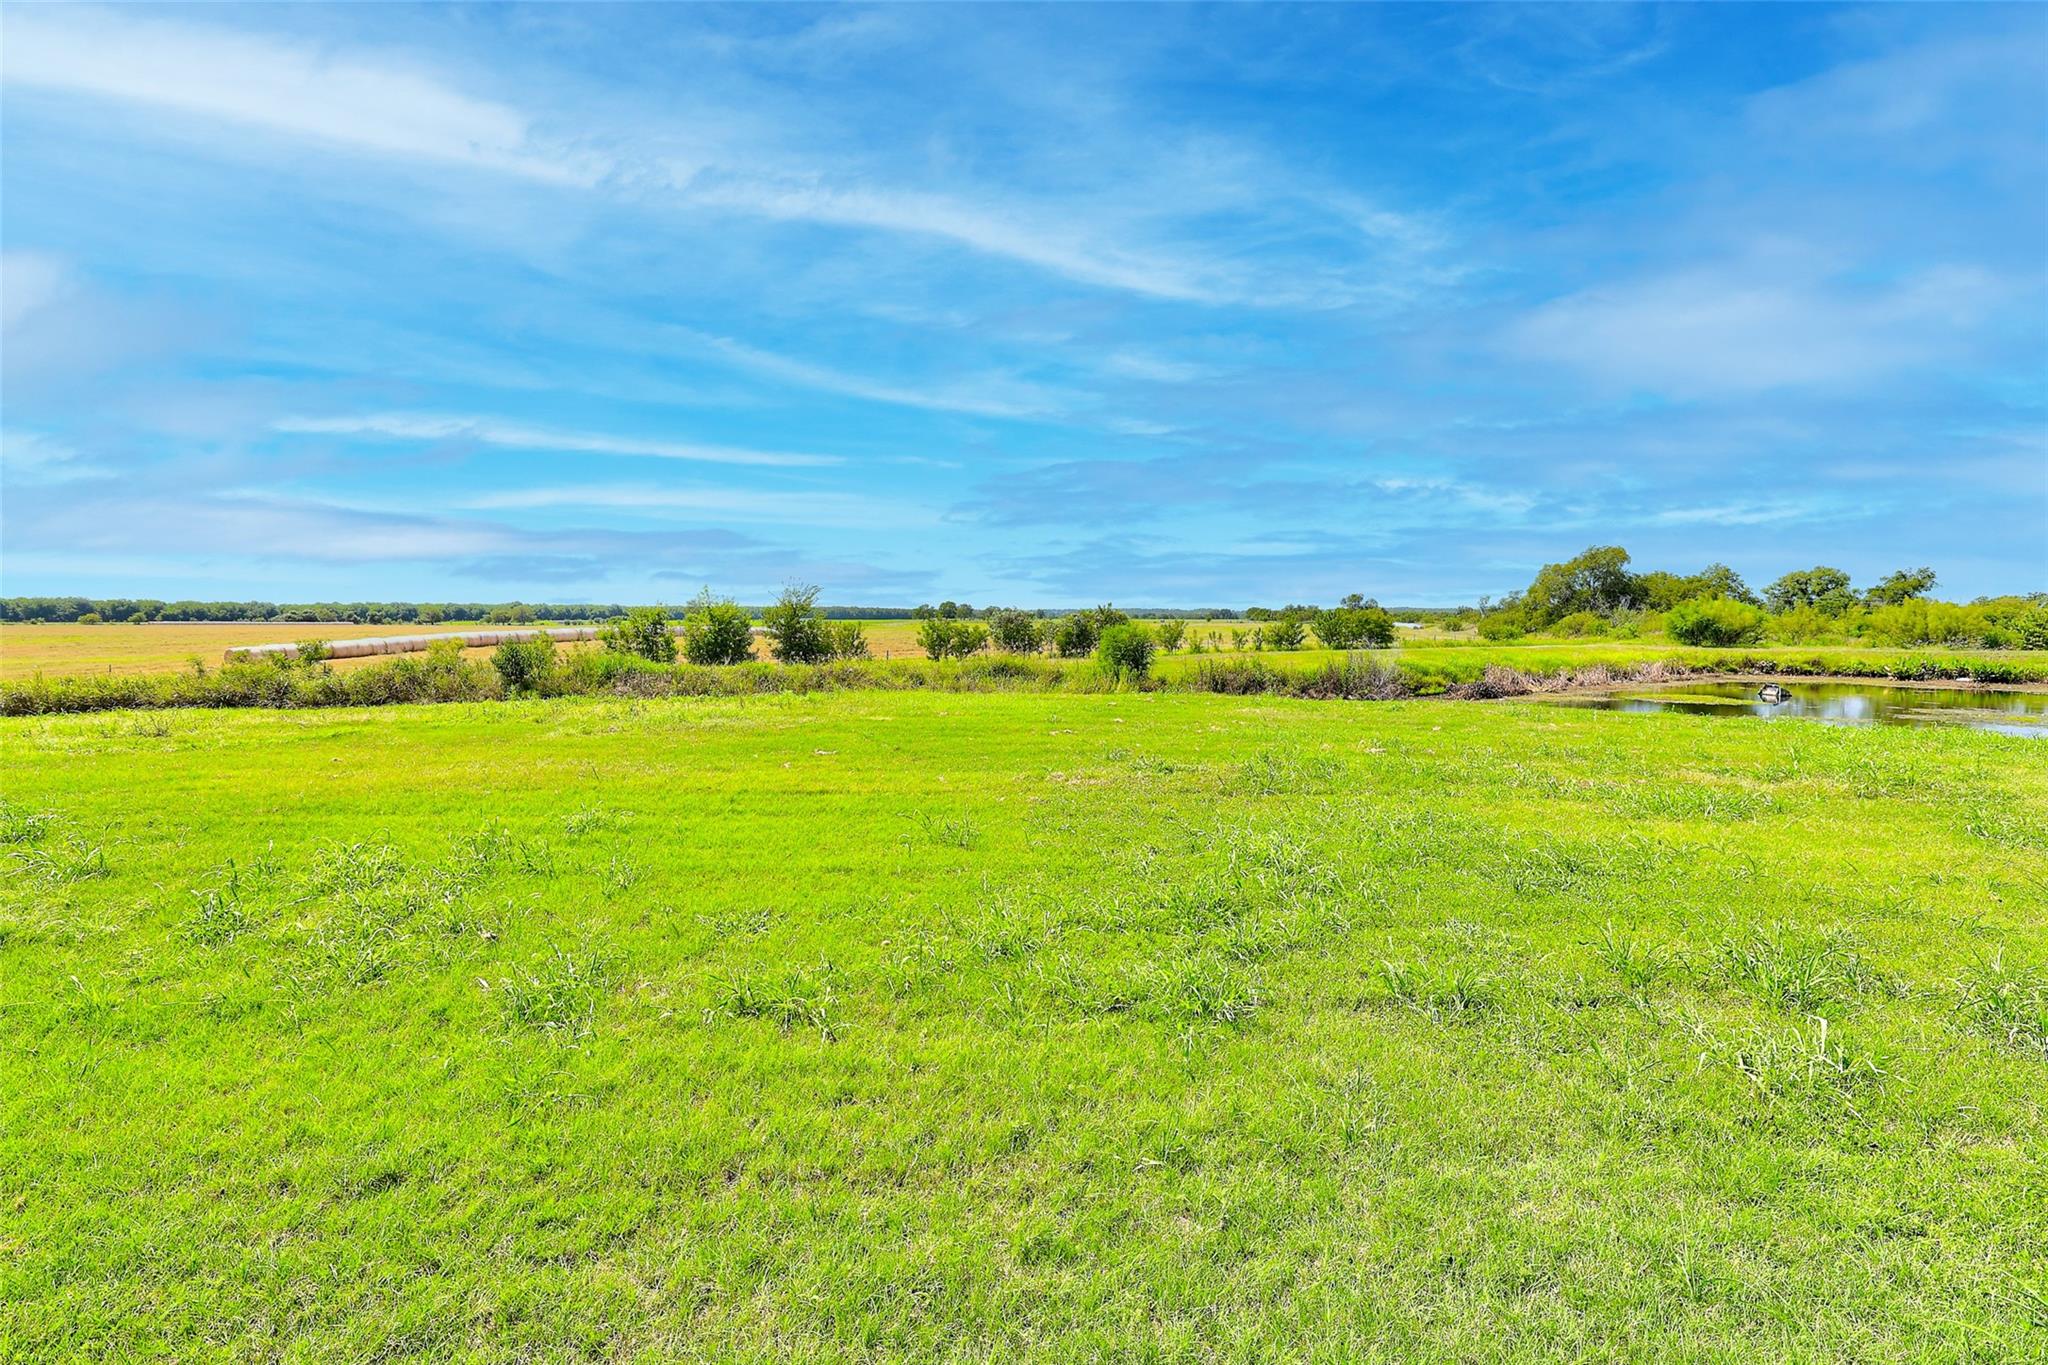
(1752, 326)
(950, 219)
(987, 396)
(491, 432)
(724, 504)
(375, 104)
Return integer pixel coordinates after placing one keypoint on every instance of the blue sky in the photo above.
(1202, 306)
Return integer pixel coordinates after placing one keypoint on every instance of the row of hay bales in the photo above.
(411, 644)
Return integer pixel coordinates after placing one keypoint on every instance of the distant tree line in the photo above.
(140, 610)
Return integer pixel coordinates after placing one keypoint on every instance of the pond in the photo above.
(2006, 711)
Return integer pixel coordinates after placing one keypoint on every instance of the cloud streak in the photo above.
(511, 436)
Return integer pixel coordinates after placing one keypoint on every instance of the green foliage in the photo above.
(797, 630)
(644, 633)
(1107, 616)
(943, 637)
(1715, 621)
(1596, 580)
(1126, 650)
(310, 652)
(1171, 632)
(1901, 585)
(91, 618)
(525, 665)
(1354, 628)
(1284, 631)
(716, 631)
(1073, 637)
(848, 639)
(1824, 589)
(1016, 632)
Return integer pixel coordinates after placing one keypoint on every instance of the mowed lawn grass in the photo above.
(878, 1026)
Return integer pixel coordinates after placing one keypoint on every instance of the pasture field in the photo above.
(61, 649)
(875, 1026)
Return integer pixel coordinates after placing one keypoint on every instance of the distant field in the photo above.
(917, 1026)
(123, 649)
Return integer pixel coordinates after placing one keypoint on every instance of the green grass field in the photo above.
(914, 1026)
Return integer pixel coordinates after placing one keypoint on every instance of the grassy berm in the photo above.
(912, 1026)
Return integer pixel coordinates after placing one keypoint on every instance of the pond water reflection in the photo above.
(2007, 711)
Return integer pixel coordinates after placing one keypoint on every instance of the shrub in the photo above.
(313, 652)
(1125, 650)
(1354, 628)
(1579, 624)
(1283, 632)
(947, 638)
(1074, 637)
(91, 618)
(715, 631)
(644, 633)
(1503, 625)
(1016, 632)
(525, 665)
(1107, 616)
(797, 630)
(1171, 633)
(1715, 621)
(849, 639)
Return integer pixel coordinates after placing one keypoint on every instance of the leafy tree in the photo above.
(643, 632)
(1822, 588)
(91, 618)
(1074, 636)
(1125, 649)
(1354, 628)
(716, 631)
(797, 630)
(1901, 585)
(1284, 632)
(1595, 580)
(945, 637)
(1171, 632)
(1107, 616)
(1016, 632)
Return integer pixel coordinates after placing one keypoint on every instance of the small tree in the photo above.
(1074, 637)
(1354, 628)
(1016, 632)
(1107, 616)
(798, 631)
(1824, 589)
(716, 631)
(944, 637)
(1283, 632)
(1170, 633)
(849, 639)
(90, 618)
(524, 665)
(1126, 650)
(644, 633)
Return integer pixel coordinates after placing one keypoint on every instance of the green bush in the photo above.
(1283, 632)
(90, 618)
(525, 665)
(1016, 632)
(797, 631)
(1171, 632)
(1074, 637)
(1715, 621)
(947, 638)
(1354, 628)
(1125, 650)
(716, 631)
(644, 633)
(849, 639)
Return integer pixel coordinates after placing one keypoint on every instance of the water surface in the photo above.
(2006, 711)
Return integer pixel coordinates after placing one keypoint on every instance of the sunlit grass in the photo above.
(875, 1025)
